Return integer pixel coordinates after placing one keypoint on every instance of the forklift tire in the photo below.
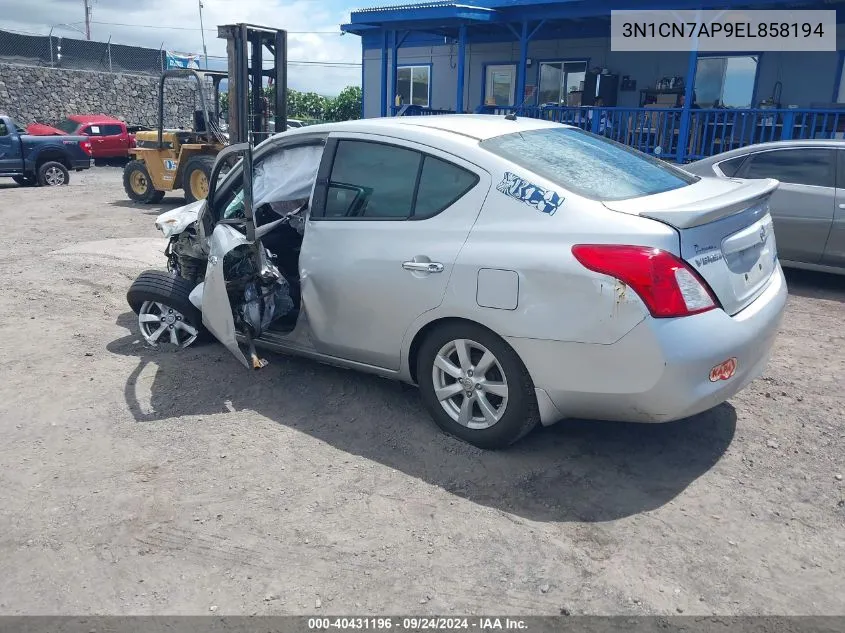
(138, 185)
(196, 178)
(25, 181)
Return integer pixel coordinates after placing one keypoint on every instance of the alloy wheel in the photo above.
(158, 322)
(470, 384)
(54, 176)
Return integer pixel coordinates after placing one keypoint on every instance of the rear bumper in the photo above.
(80, 164)
(660, 370)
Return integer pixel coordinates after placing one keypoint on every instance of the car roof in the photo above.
(477, 126)
(758, 147)
(93, 118)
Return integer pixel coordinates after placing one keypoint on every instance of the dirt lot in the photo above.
(141, 482)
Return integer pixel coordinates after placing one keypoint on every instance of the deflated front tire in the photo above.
(165, 312)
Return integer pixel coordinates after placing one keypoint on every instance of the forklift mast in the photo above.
(246, 45)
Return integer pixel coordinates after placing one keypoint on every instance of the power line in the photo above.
(292, 62)
(189, 28)
(299, 62)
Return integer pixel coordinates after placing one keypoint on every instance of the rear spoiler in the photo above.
(746, 194)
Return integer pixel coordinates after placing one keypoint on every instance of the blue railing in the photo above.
(415, 110)
(658, 131)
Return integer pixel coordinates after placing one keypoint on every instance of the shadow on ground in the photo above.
(573, 471)
(814, 285)
(168, 203)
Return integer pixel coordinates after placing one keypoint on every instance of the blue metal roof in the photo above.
(407, 7)
(447, 12)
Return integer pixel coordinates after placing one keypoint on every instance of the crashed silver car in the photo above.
(517, 271)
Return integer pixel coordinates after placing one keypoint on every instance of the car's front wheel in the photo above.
(475, 386)
(165, 312)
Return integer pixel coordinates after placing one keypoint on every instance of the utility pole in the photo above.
(202, 32)
(87, 19)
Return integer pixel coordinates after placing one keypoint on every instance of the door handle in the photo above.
(423, 267)
(842, 206)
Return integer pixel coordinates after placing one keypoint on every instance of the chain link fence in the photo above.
(76, 54)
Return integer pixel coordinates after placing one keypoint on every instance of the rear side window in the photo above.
(800, 166)
(111, 130)
(730, 167)
(840, 175)
(381, 181)
(588, 165)
(68, 127)
(441, 185)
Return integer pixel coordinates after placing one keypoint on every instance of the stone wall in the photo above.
(48, 95)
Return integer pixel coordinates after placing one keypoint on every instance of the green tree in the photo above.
(346, 106)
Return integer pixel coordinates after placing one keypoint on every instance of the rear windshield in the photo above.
(588, 165)
(68, 126)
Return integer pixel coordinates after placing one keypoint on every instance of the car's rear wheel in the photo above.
(475, 386)
(25, 181)
(196, 178)
(138, 184)
(53, 174)
(164, 309)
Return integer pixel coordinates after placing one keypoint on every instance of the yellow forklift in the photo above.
(166, 160)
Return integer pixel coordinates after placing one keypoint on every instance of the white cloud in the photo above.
(320, 18)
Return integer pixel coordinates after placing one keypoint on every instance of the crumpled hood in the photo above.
(42, 129)
(177, 220)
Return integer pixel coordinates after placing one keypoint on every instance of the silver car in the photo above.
(808, 208)
(517, 271)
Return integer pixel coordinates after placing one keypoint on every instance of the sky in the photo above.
(313, 29)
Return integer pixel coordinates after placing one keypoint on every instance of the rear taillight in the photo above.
(86, 147)
(666, 284)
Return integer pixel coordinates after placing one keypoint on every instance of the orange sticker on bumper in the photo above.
(723, 371)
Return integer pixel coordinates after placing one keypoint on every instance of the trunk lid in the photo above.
(725, 231)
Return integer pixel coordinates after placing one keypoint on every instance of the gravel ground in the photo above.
(142, 482)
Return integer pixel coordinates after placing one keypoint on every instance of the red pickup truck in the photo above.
(109, 136)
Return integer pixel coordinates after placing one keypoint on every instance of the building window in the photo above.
(840, 96)
(500, 85)
(725, 81)
(412, 84)
(558, 79)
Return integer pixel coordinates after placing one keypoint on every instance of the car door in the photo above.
(98, 141)
(834, 251)
(227, 235)
(115, 142)
(387, 221)
(10, 150)
(802, 207)
(285, 172)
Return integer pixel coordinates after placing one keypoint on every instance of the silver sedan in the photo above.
(517, 271)
(808, 208)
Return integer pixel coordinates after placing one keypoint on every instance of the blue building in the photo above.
(552, 58)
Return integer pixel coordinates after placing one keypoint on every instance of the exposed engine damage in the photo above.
(241, 263)
(257, 289)
(186, 256)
